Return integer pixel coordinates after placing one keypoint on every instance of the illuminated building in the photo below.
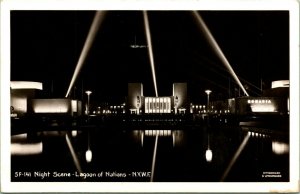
(21, 94)
(23, 101)
(273, 101)
(138, 103)
(56, 106)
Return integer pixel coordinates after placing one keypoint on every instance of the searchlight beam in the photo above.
(235, 157)
(150, 51)
(87, 45)
(217, 49)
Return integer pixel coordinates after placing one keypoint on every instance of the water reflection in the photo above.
(208, 153)
(280, 147)
(88, 156)
(176, 135)
(200, 154)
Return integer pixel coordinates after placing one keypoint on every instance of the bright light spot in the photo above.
(208, 155)
(207, 92)
(158, 132)
(280, 83)
(51, 105)
(88, 92)
(280, 147)
(26, 149)
(74, 133)
(263, 108)
(26, 85)
(88, 156)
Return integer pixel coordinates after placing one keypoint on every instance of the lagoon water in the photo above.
(200, 154)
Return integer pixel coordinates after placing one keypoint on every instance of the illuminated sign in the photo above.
(261, 105)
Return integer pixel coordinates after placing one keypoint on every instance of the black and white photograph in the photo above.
(151, 95)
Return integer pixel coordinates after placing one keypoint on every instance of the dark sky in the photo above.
(46, 45)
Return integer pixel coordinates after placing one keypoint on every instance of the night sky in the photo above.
(46, 45)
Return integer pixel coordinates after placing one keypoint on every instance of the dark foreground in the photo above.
(199, 154)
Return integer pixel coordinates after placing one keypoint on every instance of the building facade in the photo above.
(176, 103)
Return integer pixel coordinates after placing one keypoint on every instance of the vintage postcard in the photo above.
(149, 96)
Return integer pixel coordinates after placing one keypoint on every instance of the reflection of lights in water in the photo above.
(235, 157)
(19, 137)
(173, 138)
(176, 135)
(26, 149)
(88, 156)
(73, 154)
(142, 139)
(208, 155)
(21, 146)
(260, 135)
(280, 147)
(74, 133)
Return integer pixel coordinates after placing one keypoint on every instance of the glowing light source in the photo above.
(207, 92)
(88, 102)
(88, 156)
(280, 148)
(51, 105)
(263, 108)
(26, 85)
(74, 133)
(150, 50)
(87, 45)
(158, 132)
(208, 155)
(217, 49)
(280, 83)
